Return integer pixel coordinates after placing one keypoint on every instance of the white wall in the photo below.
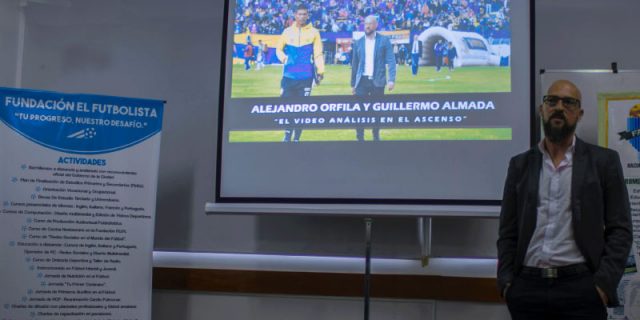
(176, 305)
(9, 21)
(587, 34)
(202, 306)
(171, 50)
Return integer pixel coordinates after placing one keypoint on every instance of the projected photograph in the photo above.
(373, 100)
(317, 48)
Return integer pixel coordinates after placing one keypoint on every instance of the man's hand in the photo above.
(504, 291)
(603, 296)
(319, 78)
(353, 90)
(391, 85)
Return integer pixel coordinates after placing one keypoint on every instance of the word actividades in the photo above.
(376, 107)
(85, 161)
(79, 106)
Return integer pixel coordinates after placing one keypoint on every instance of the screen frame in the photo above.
(351, 201)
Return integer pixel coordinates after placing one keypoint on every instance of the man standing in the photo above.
(248, 55)
(265, 54)
(416, 51)
(372, 55)
(437, 53)
(260, 57)
(452, 54)
(402, 54)
(565, 227)
(444, 52)
(300, 50)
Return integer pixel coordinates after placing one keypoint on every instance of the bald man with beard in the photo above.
(565, 226)
(372, 56)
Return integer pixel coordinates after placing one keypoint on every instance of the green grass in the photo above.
(266, 82)
(385, 134)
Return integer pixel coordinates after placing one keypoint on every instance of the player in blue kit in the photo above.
(300, 50)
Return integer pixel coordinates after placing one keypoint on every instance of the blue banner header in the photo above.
(80, 123)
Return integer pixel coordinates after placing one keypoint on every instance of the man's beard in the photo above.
(557, 134)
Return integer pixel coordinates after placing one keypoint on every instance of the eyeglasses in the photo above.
(568, 102)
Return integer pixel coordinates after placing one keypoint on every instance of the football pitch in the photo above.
(254, 83)
(266, 83)
(391, 134)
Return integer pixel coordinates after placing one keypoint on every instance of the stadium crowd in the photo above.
(490, 18)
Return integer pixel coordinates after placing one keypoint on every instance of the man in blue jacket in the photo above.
(300, 50)
(437, 52)
(416, 52)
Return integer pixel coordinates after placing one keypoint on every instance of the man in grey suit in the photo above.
(565, 226)
(372, 55)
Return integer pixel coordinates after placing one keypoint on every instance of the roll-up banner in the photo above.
(619, 129)
(611, 104)
(78, 178)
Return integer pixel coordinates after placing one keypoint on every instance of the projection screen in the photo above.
(335, 101)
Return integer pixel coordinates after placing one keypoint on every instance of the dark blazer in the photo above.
(599, 206)
(382, 55)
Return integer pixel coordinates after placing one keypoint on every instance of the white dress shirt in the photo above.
(553, 243)
(369, 49)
